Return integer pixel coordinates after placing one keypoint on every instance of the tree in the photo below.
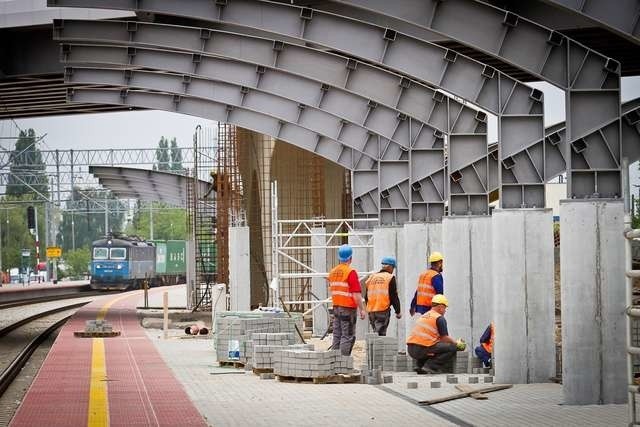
(163, 162)
(176, 157)
(27, 168)
(83, 220)
(168, 223)
(15, 235)
(77, 261)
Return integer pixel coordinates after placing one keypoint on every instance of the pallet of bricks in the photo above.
(318, 367)
(235, 330)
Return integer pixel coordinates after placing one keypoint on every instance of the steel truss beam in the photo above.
(461, 122)
(518, 107)
(591, 80)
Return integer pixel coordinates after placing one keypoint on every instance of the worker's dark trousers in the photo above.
(483, 355)
(438, 356)
(344, 329)
(379, 321)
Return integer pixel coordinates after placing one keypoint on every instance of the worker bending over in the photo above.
(485, 350)
(347, 301)
(430, 283)
(430, 344)
(381, 294)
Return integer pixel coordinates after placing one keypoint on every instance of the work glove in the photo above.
(461, 345)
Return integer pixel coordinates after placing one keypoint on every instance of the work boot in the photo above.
(425, 371)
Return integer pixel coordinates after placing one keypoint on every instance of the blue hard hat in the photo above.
(389, 260)
(345, 252)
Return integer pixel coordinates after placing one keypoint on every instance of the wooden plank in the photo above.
(465, 394)
(474, 394)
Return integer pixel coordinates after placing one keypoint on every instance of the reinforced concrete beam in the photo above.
(519, 108)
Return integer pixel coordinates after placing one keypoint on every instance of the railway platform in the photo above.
(143, 379)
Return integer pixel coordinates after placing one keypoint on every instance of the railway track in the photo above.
(38, 300)
(12, 369)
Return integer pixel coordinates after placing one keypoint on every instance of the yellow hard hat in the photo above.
(435, 257)
(440, 299)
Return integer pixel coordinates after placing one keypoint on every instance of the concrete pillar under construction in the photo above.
(239, 269)
(467, 248)
(361, 261)
(385, 244)
(593, 302)
(319, 286)
(523, 292)
(418, 241)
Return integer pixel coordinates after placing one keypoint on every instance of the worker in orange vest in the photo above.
(485, 350)
(381, 294)
(346, 296)
(430, 344)
(430, 283)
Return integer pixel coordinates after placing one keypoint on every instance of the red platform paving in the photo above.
(141, 389)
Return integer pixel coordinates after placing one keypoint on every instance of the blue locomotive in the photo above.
(121, 262)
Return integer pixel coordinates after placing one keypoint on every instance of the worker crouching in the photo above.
(381, 294)
(346, 296)
(485, 350)
(430, 344)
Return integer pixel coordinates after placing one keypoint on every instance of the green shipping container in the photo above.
(161, 257)
(176, 257)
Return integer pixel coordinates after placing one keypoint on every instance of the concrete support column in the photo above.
(191, 272)
(524, 349)
(319, 285)
(385, 244)
(239, 269)
(361, 261)
(592, 302)
(418, 241)
(467, 267)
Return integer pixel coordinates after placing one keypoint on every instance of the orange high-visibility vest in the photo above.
(378, 291)
(425, 332)
(339, 287)
(489, 345)
(426, 291)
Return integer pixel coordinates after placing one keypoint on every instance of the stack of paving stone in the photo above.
(264, 344)
(234, 330)
(311, 364)
(382, 352)
(461, 364)
(403, 363)
(97, 326)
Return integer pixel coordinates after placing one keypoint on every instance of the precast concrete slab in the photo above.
(469, 287)
(593, 302)
(239, 269)
(319, 284)
(418, 241)
(523, 286)
(385, 243)
(361, 261)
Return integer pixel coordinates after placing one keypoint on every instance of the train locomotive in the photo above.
(124, 262)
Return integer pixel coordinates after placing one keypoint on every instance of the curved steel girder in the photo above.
(244, 76)
(365, 181)
(243, 117)
(240, 97)
(513, 93)
(621, 17)
(430, 162)
(387, 90)
(422, 60)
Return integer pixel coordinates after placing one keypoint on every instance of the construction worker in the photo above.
(430, 344)
(347, 301)
(381, 294)
(430, 283)
(485, 350)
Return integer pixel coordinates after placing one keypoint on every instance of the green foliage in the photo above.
(168, 223)
(84, 218)
(14, 234)
(27, 168)
(176, 157)
(163, 162)
(77, 261)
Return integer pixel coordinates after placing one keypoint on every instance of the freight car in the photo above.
(124, 262)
